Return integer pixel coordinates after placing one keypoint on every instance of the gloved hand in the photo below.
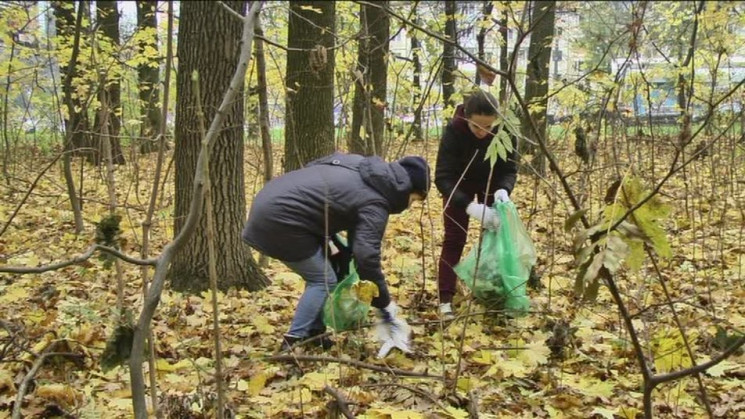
(502, 196)
(486, 216)
(392, 331)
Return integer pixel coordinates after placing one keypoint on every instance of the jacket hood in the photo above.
(388, 179)
(460, 123)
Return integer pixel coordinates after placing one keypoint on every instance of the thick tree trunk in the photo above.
(109, 94)
(209, 44)
(370, 92)
(76, 121)
(536, 83)
(448, 56)
(148, 77)
(309, 122)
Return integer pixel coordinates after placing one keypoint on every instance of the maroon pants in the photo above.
(456, 233)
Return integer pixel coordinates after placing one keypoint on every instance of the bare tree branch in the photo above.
(77, 260)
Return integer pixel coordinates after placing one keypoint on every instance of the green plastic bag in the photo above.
(507, 256)
(344, 309)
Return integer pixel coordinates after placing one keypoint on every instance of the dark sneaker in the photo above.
(288, 342)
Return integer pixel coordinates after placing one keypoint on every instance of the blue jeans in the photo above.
(320, 280)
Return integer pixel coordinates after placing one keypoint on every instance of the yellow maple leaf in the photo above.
(315, 380)
(365, 291)
(513, 368)
(535, 353)
(262, 324)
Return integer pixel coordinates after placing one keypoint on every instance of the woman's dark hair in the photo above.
(480, 103)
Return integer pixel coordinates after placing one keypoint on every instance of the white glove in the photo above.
(485, 215)
(392, 331)
(502, 195)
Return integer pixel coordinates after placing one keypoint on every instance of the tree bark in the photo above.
(370, 91)
(109, 93)
(309, 119)
(209, 44)
(449, 65)
(148, 76)
(536, 83)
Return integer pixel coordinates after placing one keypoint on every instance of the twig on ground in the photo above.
(328, 359)
(23, 388)
(341, 401)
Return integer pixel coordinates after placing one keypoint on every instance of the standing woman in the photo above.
(462, 173)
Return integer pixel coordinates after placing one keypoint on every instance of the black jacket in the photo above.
(295, 214)
(457, 147)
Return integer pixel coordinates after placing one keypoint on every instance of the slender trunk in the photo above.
(504, 62)
(370, 95)
(212, 254)
(147, 224)
(6, 139)
(685, 90)
(481, 37)
(70, 128)
(448, 55)
(416, 49)
(148, 79)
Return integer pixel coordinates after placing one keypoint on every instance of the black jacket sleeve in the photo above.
(448, 170)
(367, 237)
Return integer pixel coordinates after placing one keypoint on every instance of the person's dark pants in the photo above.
(456, 233)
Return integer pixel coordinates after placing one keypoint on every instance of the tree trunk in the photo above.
(448, 56)
(504, 62)
(266, 139)
(76, 120)
(209, 44)
(67, 76)
(537, 73)
(370, 92)
(416, 50)
(685, 90)
(481, 37)
(148, 76)
(109, 93)
(309, 119)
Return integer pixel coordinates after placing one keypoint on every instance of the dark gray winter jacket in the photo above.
(294, 214)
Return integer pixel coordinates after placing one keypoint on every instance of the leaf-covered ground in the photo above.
(566, 359)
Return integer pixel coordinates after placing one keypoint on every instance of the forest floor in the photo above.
(566, 359)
